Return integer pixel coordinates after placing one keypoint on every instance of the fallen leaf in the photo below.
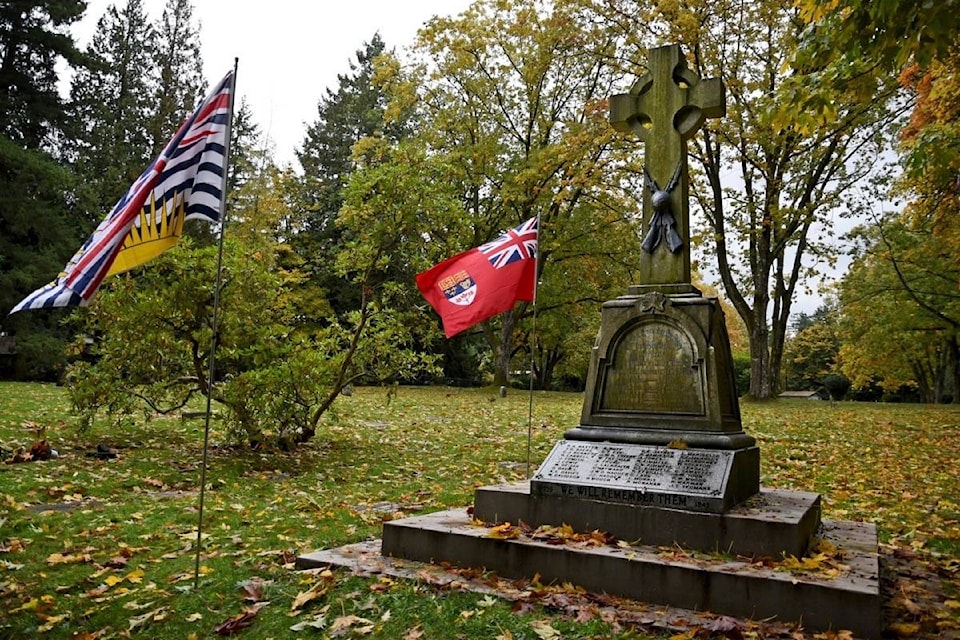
(414, 633)
(726, 627)
(505, 531)
(318, 622)
(51, 622)
(343, 624)
(543, 630)
(238, 622)
(138, 621)
(904, 629)
(316, 591)
(59, 558)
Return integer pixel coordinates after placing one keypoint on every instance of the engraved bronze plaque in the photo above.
(654, 369)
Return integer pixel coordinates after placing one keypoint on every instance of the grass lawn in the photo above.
(106, 548)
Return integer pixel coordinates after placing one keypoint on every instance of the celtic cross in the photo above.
(664, 108)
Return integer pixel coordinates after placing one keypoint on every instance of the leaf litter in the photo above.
(892, 465)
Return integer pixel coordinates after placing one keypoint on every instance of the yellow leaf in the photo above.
(304, 597)
(113, 580)
(953, 604)
(505, 531)
(27, 606)
(59, 558)
(135, 576)
(51, 622)
(904, 629)
(193, 617)
(544, 631)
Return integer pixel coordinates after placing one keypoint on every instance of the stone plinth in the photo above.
(772, 523)
(731, 587)
(661, 372)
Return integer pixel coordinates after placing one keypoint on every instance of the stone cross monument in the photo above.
(661, 374)
(664, 108)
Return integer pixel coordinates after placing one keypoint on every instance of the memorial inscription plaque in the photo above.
(688, 479)
(655, 369)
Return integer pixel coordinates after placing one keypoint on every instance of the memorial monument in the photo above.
(660, 456)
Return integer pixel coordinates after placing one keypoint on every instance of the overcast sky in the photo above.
(289, 51)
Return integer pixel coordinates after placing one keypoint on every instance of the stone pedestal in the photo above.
(724, 585)
(661, 372)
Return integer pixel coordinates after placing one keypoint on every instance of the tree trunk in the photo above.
(502, 346)
(760, 369)
(548, 361)
(954, 347)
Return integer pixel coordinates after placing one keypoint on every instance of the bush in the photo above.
(741, 372)
(838, 385)
(40, 357)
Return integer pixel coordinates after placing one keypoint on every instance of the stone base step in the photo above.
(772, 523)
(731, 587)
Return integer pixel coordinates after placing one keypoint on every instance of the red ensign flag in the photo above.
(482, 282)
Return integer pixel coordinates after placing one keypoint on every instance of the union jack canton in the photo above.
(515, 244)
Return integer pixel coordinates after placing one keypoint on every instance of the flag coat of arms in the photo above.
(185, 181)
(484, 281)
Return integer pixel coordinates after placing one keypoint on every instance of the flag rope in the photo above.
(215, 325)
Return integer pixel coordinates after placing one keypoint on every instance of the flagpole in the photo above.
(533, 343)
(215, 320)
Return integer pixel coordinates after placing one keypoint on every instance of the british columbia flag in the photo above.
(515, 244)
(183, 182)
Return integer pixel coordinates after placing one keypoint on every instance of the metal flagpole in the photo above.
(533, 343)
(216, 328)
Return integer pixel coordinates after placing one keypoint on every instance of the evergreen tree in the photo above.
(112, 103)
(248, 155)
(355, 110)
(33, 36)
(179, 68)
(38, 225)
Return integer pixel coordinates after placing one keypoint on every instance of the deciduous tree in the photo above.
(901, 311)
(514, 94)
(278, 369)
(768, 185)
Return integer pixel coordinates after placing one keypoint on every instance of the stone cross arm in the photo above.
(668, 100)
